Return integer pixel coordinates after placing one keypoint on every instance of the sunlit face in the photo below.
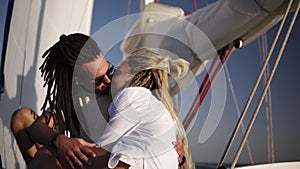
(121, 79)
(96, 78)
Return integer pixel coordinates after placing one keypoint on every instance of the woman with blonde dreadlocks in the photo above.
(142, 122)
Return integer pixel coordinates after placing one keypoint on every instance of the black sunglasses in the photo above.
(110, 72)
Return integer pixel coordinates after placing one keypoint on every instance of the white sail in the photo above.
(35, 26)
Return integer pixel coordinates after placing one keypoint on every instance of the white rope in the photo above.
(268, 83)
(263, 47)
(269, 111)
(254, 88)
(238, 111)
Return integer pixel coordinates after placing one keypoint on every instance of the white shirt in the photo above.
(140, 131)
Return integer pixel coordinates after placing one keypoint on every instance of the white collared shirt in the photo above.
(140, 131)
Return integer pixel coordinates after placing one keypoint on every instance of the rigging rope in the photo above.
(254, 88)
(270, 113)
(238, 111)
(195, 5)
(268, 82)
(205, 86)
(263, 46)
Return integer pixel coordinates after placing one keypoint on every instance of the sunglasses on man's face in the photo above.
(109, 73)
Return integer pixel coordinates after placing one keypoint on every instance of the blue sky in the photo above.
(244, 66)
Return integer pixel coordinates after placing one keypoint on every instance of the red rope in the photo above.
(204, 88)
(195, 5)
(195, 8)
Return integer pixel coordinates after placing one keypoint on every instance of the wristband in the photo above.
(53, 138)
(182, 161)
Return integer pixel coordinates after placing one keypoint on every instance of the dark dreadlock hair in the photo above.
(57, 71)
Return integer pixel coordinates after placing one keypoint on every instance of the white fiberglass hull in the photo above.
(281, 165)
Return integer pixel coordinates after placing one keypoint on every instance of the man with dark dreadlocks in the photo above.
(57, 70)
(57, 121)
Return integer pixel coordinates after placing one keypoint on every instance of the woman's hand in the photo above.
(179, 148)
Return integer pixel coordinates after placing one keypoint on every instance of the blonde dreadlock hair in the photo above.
(151, 70)
(57, 71)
